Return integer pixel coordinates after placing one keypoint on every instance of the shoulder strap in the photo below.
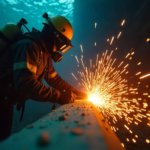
(33, 38)
(29, 38)
(7, 40)
(40, 58)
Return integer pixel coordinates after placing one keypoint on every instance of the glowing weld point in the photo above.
(95, 98)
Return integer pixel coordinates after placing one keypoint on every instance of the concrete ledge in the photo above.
(74, 126)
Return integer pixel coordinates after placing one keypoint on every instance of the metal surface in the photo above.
(82, 128)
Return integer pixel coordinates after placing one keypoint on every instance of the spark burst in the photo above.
(107, 89)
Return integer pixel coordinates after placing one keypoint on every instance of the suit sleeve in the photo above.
(25, 59)
(54, 80)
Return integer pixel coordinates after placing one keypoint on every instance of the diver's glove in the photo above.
(80, 95)
(66, 97)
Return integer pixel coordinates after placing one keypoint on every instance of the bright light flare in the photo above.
(107, 89)
(95, 99)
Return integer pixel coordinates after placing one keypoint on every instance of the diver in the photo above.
(27, 62)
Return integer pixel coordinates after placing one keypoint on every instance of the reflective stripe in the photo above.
(21, 65)
(52, 75)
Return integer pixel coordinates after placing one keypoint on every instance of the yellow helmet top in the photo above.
(62, 25)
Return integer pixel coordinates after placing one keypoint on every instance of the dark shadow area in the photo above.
(33, 112)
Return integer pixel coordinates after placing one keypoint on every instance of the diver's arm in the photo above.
(58, 83)
(25, 61)
(54, 80)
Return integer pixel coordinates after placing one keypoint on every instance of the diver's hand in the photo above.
(66, 97)
(80, 95)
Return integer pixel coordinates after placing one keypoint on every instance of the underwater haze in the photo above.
(32, 11)
(84, 15)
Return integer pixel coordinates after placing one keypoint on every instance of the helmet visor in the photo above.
(63, 44)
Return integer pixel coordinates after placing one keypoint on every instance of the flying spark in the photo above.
(148, 39)
(118, 35)
(127, 55)
(145, 76)
(139, 63)
(138, 73)
(95, 25)
(122, 23)
(77, 59)
(112, 39)
(74, 76)
(81, 48)
(108, 90)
